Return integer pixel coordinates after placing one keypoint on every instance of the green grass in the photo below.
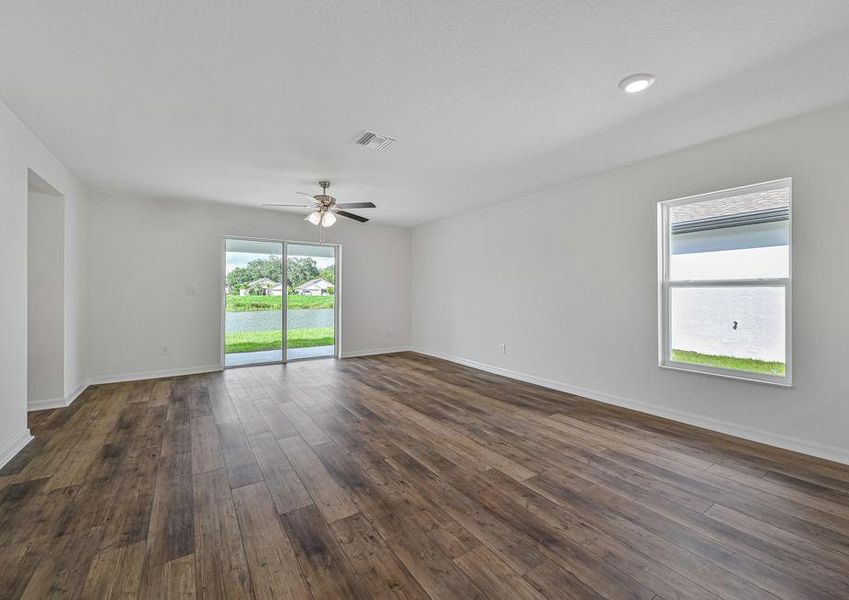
(729, 362)
(255, 341)
(248, 303)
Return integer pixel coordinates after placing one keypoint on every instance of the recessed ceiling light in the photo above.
(634, 84)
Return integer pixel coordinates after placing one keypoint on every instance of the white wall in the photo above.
(478, 281)
(473, 285)
(45, 299)
(144, 253)
(20, 150)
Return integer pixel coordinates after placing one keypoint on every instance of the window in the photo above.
(724, 275)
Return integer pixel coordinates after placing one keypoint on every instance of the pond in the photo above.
(267, 320)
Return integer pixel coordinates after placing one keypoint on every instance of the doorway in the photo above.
(45, 294)
(280, 301)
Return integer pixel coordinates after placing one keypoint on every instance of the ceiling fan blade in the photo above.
(357, 205)
(305, 194)
(298, 205)
(342, 213)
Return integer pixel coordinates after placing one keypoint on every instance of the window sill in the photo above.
(785, 382)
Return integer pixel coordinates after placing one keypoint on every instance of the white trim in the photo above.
(45, 404)
(223, 306)
(751, 188)
(785, 442)
(154, 374)
(740, 375)
(356, 353)
(337, 302)
(284, 304)
(48, 403)
(69, 399)
(13, 446)
(765, 282)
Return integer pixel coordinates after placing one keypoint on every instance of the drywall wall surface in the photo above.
(20, 154)
(144, 254)
(45, 298)
(567, 280)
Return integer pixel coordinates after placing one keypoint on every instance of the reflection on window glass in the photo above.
(741, 237)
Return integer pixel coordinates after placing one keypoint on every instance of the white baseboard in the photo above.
(13, 446)
(833, 453)
(355, 353)
(153, 374)
(45, 404)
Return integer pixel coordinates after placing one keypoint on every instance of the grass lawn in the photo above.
(729, 362)
(247, 303)
(254, 341)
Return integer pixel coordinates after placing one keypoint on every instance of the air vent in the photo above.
(374, 141)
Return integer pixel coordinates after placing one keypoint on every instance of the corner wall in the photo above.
(567, 279)
(20, 150)
(144, 253)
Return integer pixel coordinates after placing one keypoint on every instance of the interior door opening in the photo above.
(45, 298)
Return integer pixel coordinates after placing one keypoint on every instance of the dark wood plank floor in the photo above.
(402, 476)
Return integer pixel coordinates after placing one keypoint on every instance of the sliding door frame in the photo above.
(284, 304)
(337, 295)
(284, 256)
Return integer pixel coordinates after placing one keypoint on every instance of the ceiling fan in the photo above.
(325, 208)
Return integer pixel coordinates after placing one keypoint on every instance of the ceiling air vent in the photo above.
(374, 141)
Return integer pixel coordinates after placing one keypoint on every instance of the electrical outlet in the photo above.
(503, 348)
(164, 350)
(388, 335)
(191, 291)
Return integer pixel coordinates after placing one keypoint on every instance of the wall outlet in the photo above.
(502, 348)
(191, 291)
(164, 350)
(388, 335)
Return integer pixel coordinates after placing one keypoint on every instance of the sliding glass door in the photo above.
(253, 292)
(311, 303)
(260, 304)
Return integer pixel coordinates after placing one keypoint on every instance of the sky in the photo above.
(240, 259)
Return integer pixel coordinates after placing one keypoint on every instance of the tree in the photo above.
(328, 274)
(301, 270)
(271, 267)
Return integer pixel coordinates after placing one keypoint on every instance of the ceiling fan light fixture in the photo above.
(325, 210)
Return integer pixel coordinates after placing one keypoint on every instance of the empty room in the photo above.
(530, 300)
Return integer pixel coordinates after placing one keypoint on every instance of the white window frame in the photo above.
(284, 245)
(665, 287)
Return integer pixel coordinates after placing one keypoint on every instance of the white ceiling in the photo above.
(248, 102)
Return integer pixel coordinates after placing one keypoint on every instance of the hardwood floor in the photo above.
(402, 476)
